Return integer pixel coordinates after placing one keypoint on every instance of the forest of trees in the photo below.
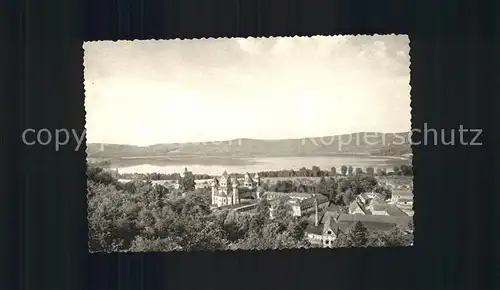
(140, 216)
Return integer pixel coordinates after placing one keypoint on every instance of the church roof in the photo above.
(215, 181)
(256, 175)
(224, 174)
(235, 181)
(247, 176)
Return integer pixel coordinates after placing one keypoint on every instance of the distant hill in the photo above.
(365, 143)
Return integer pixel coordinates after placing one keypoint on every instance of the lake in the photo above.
(218, 165)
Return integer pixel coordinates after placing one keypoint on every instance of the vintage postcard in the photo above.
(249, 143)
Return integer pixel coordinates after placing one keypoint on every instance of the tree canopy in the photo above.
(140, 216)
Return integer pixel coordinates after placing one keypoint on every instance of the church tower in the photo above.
(215, 188)
(256, 179)
(236, 195)
(316, 214)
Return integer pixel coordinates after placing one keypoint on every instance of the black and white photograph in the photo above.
(249, 143)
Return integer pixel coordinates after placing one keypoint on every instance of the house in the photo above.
(385, 209)
(356, 207)
(324, 230)
(405, 193)
(363, 198)
(402, 198)
(199, 184)
(271, 195)
(299, 208)
(241, 207)
(368, 197)
(378, 209)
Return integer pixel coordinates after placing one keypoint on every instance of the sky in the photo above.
(168, 91)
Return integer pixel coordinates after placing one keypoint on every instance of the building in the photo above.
(403, 199)
(225, 190)
(299, 208)
(324, 229)
(250, 182)
(371, 204)
(183, 174)
(272, 195)
(244, 206)
(356, 207)
(385, 209)
(401, 194)
(368, 197)
(199, 184)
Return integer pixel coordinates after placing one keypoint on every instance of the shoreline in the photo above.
(391, 157)
(182, 157)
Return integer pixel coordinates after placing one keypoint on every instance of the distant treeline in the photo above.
(315, 171)
(393, 151)
(159, 176)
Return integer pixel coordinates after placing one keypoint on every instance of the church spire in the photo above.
(316, 217)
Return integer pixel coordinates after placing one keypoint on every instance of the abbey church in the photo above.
(225, 189)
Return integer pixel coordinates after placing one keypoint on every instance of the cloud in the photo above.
(218, 89)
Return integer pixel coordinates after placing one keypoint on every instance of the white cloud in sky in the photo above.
(149, 92)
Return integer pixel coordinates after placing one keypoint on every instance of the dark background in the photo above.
(43, 216)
